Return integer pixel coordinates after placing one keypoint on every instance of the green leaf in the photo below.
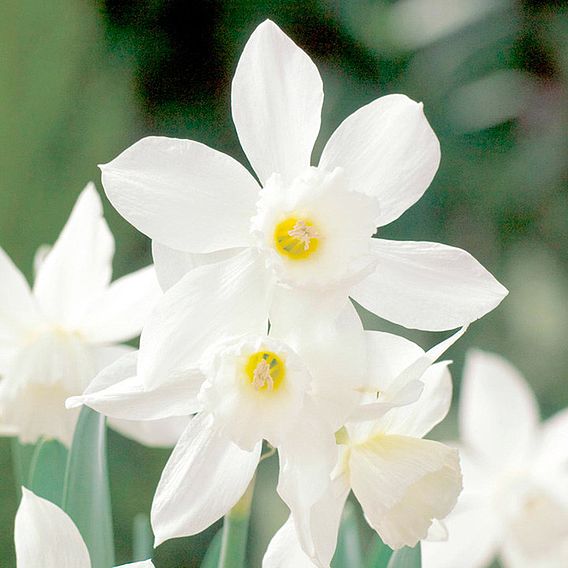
(379, 554)
(213, 554)
(86, 494)
(406, 558)
(47, 470)
(22, 455)
(235, 532)
(348, 551)
(142, 538)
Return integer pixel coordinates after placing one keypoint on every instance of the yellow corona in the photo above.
(296, 238)
(265, 371)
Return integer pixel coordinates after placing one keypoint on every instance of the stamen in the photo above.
(261, 376)
(265, 371)
(297, 238)
(304, 233)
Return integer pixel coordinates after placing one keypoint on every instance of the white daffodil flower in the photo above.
(312, 226)
(515, 499)
(245, 387)
(402, 482)
(46, 536)
(294, 388)
(55, 338)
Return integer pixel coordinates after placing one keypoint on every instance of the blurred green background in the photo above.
(81, 80)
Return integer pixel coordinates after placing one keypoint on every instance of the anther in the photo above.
(304, 233)
(262, 376)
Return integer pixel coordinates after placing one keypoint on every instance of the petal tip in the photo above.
(74, 402)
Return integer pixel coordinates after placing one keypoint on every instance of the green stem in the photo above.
(235, 532)
(142, 538)
(22, 455)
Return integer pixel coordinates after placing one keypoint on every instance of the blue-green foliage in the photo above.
(47, 470)
(86, 494)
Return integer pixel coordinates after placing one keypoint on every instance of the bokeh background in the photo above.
(80, 80)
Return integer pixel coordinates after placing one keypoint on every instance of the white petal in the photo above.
(182, 194)
(18, 311)
(514, 556)
(8, 430)
(538, 536)
(418, 418)
(388, 150)
(143, 564)
(553, 444)
(377, 409)
(307, 456)
(40, 256)
(403, 484)
(438, 532)
(172, 265)
(325, 520)
(205, 476)
(284, 550)
(397, 366)
(78, 267)
(498, 411)
(472, 541)
(162, 433)
(417, 369)
(388, 356)
(120, 312)
(277, 97)
(427, 286)
(45, 536)
(210, 303)
(290, 306)
(330, 340)
(114, 363)
(39, 379)
(36, 411)
(118, 392)
(53, 358)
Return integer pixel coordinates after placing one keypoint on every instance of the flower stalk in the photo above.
(235, 531)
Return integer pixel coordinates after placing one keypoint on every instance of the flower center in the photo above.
(265, 371)
(296, 238)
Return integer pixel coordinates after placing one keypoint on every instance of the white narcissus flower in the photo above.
(515, 499)
(245, 387)
(55, 338)
(294, 389)
(46, 536)
(312, 226)
(402, 481)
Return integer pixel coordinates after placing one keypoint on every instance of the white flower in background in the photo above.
(55, 338)
(515, 499)
(46, 536)
(402, 481)
(311, 225)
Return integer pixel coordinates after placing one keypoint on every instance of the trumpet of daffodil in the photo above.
(311, 226)
(55, 337)
(46, 536)
(515, 500)
(403, 482)
(293, 388)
